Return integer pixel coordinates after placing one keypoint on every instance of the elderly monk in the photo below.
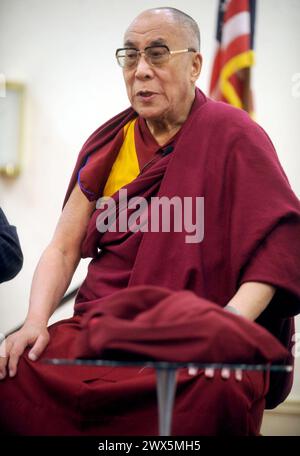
(172, 141)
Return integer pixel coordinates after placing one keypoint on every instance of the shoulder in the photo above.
(230, 126)
(229, 138)
(220, 114)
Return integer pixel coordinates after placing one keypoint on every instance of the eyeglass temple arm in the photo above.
(183, 50)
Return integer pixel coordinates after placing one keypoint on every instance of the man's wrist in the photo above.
(232, 309)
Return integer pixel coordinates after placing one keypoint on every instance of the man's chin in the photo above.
(148, 112)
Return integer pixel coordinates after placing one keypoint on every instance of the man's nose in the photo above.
(143, 68)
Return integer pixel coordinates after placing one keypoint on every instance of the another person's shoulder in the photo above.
(11, 256)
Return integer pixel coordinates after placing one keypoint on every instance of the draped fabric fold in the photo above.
(152, 323)
(251, 219)
(142, 285)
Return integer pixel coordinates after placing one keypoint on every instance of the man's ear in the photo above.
(196, 66)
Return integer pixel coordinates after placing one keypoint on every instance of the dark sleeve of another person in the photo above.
(11, 257)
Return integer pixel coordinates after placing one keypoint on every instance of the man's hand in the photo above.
(31, 334)
(209, 372)
(225, 373)
(250, 301)
(51, 279)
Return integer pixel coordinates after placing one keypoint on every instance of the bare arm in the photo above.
(50, 281)
(249, 301)
(59, 261)
(252, 298)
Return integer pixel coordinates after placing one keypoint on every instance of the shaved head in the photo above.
(186, 23)
(163, 92)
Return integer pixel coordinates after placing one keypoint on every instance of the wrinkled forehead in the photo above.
(150, 29)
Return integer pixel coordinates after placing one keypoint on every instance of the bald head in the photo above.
(182, 21)
(170, 82)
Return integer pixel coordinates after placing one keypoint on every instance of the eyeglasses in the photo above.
(155, 55)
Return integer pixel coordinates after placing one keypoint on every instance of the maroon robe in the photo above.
(252, 221)
(145, 322)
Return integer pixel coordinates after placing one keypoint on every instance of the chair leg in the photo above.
(166, 387)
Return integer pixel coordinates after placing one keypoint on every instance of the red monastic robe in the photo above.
(252, 232)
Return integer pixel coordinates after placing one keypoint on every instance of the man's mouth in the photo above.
(145, 93)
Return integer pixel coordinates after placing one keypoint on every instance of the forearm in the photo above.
(252, 298)
(51, 279)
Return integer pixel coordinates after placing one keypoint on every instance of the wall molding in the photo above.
(288, 407)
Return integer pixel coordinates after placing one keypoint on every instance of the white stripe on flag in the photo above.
(236, 26)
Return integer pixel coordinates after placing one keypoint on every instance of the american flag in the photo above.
(230, 80)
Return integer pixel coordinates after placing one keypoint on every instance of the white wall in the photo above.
(63, 51)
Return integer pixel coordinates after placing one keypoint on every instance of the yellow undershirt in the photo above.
(126, 166)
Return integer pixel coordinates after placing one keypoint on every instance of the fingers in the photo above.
(13, 347)
(209, 372)
(238, 375)
(16, 351)
(4, 353)
(39, 346)
(192, 371)
(225, 373)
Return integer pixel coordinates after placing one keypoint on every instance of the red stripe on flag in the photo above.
(236, 7)
(239, 48)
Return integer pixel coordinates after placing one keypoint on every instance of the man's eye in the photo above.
(131, 55)
(156, 53)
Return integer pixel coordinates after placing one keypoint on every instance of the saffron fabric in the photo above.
(251, 221)
(126, 166)
(117, 156)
